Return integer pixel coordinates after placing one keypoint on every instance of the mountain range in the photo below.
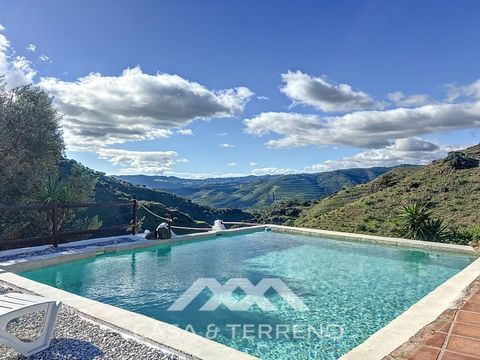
(367, 201)
(257, 192)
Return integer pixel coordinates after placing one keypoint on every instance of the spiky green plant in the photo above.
(52, 191)
(436, 230)
(414, 221)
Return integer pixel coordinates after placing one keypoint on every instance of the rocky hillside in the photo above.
(449, 187)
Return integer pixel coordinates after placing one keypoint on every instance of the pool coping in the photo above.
(407, 243)
(161, 334)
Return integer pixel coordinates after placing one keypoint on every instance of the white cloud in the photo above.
(31, 47)
(325, 96)
(363, 129)
(223, 134)
(44, 58)
(263, 98)
(253, 163)
(402, 151)
(470, 91)
(273, 171)
(188, 175)
(185, 132)
(232, 164)
(17, 70)
(140, 162)
(135, 106)
(225, 145)
(400, 99)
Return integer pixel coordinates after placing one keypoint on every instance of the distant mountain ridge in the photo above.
(253, 192)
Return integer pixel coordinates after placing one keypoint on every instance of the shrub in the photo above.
(418, 224)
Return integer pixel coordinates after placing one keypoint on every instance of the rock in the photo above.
(460, 161)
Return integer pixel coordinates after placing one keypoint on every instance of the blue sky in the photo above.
(300, 86)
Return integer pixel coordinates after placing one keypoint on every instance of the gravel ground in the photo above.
(53, 250)
(76, 338)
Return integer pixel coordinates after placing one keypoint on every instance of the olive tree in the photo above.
(31, 143)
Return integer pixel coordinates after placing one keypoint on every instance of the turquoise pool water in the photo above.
(351, 289)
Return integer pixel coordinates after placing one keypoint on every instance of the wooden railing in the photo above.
(56, 236)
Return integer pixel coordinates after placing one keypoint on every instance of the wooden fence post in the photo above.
(55, 224)
(134, 215)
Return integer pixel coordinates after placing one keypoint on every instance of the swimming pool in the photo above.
(350, 289)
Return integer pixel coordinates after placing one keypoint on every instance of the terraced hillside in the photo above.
(252, 192)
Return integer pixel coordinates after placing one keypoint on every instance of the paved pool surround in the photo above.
(161, 334)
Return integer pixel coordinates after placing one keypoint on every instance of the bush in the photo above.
(418, 224)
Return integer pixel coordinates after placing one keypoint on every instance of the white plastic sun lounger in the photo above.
(14, 305)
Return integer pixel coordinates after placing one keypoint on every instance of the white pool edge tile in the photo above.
(426, 245)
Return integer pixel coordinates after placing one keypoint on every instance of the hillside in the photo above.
(259, 191)
(450, 187)
(185, 212)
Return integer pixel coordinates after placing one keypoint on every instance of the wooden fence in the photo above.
(56, 236)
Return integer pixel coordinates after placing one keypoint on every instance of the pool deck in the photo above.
(159, 334)
(454, 335)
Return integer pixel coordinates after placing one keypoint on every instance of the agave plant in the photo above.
(418, 224)
(52, 191)
(415, 219)
(436, 230)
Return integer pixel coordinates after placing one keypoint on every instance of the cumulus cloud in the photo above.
(232, 164)
(253, 163)
(136, 106)
(17, 70)
(204, 175)
(31, 47)
(325, 96)
(400, 99)
(402, 151)
(225, 145)
(140, 162)
(185, 132)
(363, 129)
(44, 58)
(414, 151)
(273, 171)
